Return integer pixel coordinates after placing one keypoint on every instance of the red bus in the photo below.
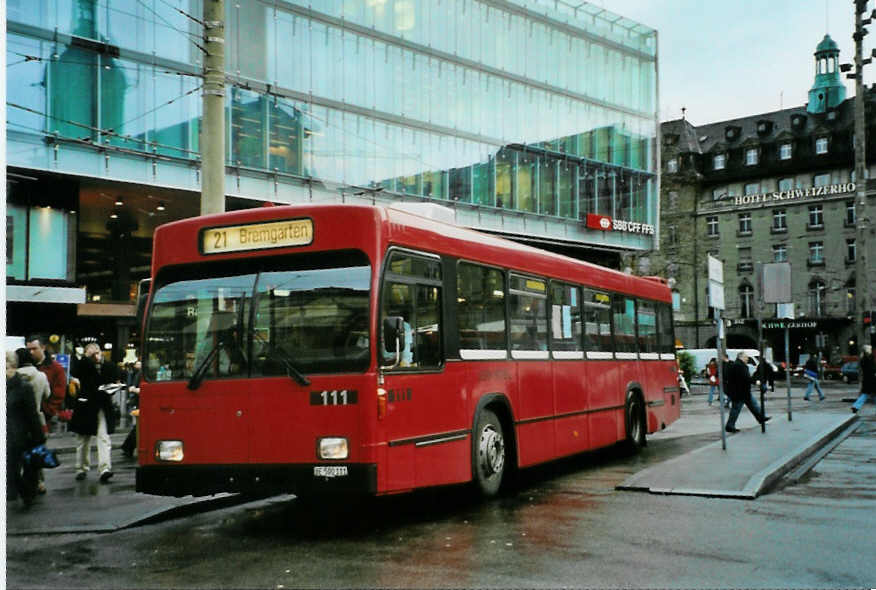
(368, 349)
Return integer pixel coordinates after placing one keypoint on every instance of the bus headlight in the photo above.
(169, 450)
(333, 448)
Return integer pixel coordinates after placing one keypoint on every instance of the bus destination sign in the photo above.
(257, 236)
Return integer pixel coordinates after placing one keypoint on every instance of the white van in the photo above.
(702, 356)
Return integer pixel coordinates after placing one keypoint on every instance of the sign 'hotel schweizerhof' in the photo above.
(798, 193)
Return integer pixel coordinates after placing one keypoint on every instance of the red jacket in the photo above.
(57, 384)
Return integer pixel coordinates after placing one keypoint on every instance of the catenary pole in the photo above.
(862, 283)
(213, 130)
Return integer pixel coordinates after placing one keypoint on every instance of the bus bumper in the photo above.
(299, 479)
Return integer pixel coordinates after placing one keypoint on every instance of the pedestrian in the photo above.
(23, 432)
(765, 376)
(133, 380)
(739, 390)
(93, 412)
(54, 372)
(867, 376)
(41, 395)
(810, 372)
(712, 374)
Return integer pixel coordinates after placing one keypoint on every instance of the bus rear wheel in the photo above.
(635, 422)
(490, 455)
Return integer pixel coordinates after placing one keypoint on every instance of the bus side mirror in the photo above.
(394, 336)
(142, 298)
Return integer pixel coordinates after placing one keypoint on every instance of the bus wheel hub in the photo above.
(491, 451)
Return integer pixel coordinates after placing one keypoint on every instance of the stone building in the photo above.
(771, 187)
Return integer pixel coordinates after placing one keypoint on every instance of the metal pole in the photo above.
(761, 368)
(721, 395)
(862, 284)
(788, 364)
(213, 130)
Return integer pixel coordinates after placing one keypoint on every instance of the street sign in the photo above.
(785, 311)
(776, 282)
(716, 283)
(716, 270)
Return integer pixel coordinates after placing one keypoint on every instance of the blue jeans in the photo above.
(713, 389)
(813, 383)
(753, 407)
(862, 399)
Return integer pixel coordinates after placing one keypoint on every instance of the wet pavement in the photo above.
(89, 506)
(751, 464)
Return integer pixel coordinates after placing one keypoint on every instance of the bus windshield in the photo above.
(307, 315)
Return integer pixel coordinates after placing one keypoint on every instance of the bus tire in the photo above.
(489, 453)
(634, 419)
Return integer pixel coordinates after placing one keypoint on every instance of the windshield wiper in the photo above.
(201, 369)
(291, 371)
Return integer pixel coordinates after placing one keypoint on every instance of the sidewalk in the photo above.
(752, 462)
(88, 506)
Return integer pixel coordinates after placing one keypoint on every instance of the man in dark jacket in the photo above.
(23, 432)
(93, 412)
(739, 391)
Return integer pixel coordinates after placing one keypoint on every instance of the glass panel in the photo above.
(527, 182)
(285, 150)
(482, 179)
(461, 184)
(16, 241)
(480, 307)
(419, 306)
(624, 321)
(565, 317)
(29, 88)
(665, 333)
(315, 319)
(646, 320)
(566, 189)
(248, 128)
(597, 321)
(504, 169)
(547, 185)
(48, 234)
(528, 313)
(198, 324)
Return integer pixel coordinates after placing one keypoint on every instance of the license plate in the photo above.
(330, 471)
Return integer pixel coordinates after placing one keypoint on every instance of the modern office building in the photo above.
(772, 187)
(533, 119)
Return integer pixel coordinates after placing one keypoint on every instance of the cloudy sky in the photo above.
(723, 59)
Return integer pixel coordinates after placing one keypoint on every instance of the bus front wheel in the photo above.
(489, 453)
(635, 422)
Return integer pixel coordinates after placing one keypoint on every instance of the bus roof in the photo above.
(177, 243)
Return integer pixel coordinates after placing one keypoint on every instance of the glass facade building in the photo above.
(530, 108)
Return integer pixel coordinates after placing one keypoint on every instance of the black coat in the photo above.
(90, 400)
(867, 368)
(738, 381)
(23, 428)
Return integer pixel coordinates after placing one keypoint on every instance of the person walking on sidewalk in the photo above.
(810, 371)
(23, 432)
(133, 379)
(93, 412)
(739, 390)
(54, 372)
(867, 370)
(41, 394)
(712, 374)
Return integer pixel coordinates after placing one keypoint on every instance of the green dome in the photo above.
(827, 44)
